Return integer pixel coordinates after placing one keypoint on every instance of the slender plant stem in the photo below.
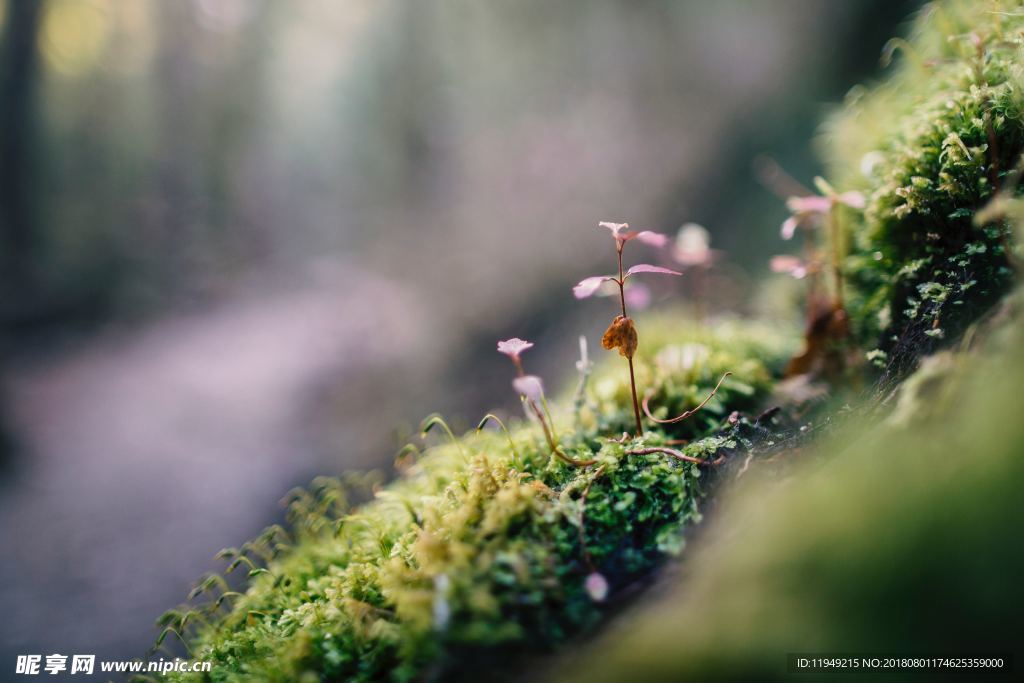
(583, 520)
(632, 375)
(678, 455)
(837, 253)
(550, 438)
(583, 365)
(622, 283)
(811, 263)
(688, 413)
(636, 405)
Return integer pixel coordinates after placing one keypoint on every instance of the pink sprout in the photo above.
(513, 347)
(791, 265)
(588, 286)
(648, 268)
(810, 204)
(789, 227)
(854, 200)
(621, 234)
(637, 295)
(804, 208)
(616, 228)
(596, 586)
(654, 239)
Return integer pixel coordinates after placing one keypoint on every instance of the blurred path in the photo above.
(146, 452)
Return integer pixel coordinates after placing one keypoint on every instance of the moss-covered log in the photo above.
(490, 546)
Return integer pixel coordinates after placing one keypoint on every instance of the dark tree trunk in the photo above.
(18, 231)
(18, 64)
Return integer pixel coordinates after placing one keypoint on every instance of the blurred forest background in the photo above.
(243, 242)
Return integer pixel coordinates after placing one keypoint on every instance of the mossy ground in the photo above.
(477, 551)
(899, 533)
(896, 536)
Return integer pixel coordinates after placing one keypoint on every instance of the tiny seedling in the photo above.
(435, 420)
(584, 366)
(807, 213)
(491, 417)
(692, 250)
(621, 334)
(827, 321)
(531, 391)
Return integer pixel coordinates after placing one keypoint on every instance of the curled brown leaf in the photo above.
(621, 335)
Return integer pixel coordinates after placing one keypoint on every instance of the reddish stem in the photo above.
(636, 405)
(688, 413)
(811, 261)
(550, 438)
(833, 224)
(678, 455)
(621, 282)
(583, 520)
(632, 375)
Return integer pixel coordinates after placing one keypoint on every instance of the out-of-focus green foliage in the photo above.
(884, 538)
(928, 147)
(475, 552)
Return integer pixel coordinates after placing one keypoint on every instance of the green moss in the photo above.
(679, 368)
(895, 538)
(898, 534)
(928, 147)
(476, 552)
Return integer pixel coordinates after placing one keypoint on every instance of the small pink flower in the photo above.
(513, 347)
(529, 386)
(693, 246)
(791, 265)
(597, 587)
